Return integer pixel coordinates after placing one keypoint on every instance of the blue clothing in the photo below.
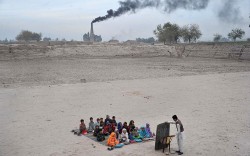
(143, 133)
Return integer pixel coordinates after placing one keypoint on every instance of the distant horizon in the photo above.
(71, 20)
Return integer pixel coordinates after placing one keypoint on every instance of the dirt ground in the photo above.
(42, 99)
(68, 70)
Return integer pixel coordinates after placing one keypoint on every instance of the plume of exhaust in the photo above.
(167, 5)
(230, 13)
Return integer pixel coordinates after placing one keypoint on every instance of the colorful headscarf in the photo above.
(112, 141)
(149, 133)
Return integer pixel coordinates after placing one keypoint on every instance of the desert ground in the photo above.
(46, 89)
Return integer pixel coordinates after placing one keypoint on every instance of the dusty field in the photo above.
(48, 71)
(42, 99)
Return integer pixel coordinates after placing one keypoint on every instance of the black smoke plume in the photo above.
(167, 5)
(230, 13)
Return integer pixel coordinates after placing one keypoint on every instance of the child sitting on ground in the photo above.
(131, 125)
(100, 136)
(112, 141)
(134, 134)
(101, 123)
(97, 130)
(91, 125)
(113, 121)
(82, 128)
(125, 125)
(124, 137)
(97, 122)
(119, 127)
(143, 134)
(108, 128)
(149, 133)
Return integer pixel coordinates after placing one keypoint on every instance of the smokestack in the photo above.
(92, 35)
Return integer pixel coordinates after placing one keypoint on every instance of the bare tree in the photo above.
(236, 33)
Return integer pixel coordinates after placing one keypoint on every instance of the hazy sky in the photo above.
(71, 19)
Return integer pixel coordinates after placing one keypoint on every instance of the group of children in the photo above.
(118, 133)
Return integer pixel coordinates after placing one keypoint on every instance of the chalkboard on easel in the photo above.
(161, 132)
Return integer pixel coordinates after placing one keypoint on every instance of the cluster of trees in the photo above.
(146, 40)
(6, 41)
(233, 35)
(26, 35)
(172, 33)
(86, 38)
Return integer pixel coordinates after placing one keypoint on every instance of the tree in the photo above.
(146, 40)
(28, 36)
(36, 36)
(86, 37)
(97, 38)
(236, 33)
(46, 39)
(217, 37)
(168, 33)
(190, 33)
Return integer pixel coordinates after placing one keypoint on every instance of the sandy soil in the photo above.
(41, 100)
(65, 70)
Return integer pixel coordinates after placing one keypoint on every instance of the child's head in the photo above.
(96, 127)
(125, 123)
(82, 121)
(107, 116)
(124, 130)
(131, 122)
(113, 117)
(101, 119)
(91, 119)
(97, 119)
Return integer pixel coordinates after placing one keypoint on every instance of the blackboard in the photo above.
(161, 132)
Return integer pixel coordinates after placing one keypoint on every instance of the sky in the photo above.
(71, 19)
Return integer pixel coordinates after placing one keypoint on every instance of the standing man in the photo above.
(179, 135)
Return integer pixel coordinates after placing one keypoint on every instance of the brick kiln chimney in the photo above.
(92, 36)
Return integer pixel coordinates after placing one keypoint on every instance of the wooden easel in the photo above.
(167, 141)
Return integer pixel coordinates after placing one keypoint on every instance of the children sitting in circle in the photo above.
(118, 134)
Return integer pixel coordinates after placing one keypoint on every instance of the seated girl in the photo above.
(97, 130)
(124, 137)
(143, 134)
(101, 123)
(108, 128)
(131, 125)
(82, 128)
(112, 141)
(119, 127)
(125, 125)
(149, 133)
(134, 134)
(113, 121)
